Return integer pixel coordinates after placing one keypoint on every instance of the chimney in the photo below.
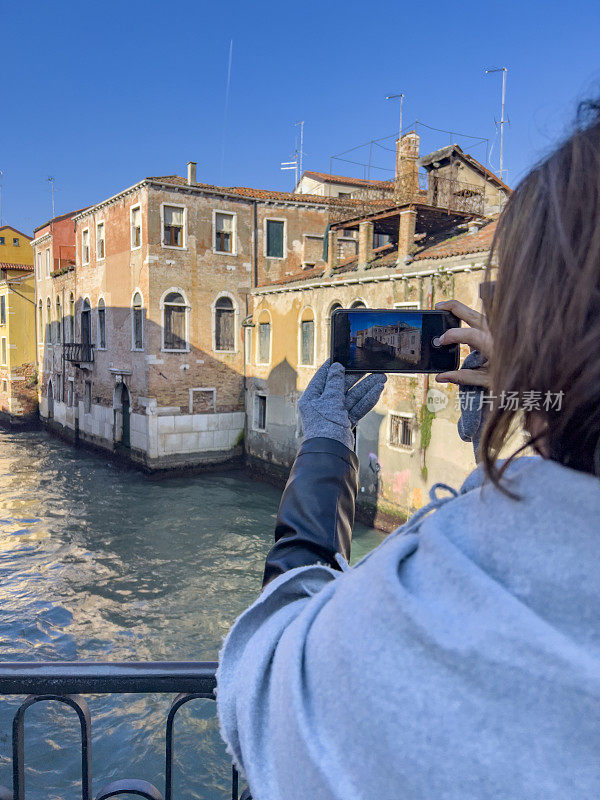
(191, 178)
(407, 168)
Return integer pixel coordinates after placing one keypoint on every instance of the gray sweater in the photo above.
(460, 660)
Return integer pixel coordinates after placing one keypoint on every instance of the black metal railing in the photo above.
(66, 682)
(79, 352)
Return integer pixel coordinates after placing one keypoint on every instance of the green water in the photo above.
(100, 563)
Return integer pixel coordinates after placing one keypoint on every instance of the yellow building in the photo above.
(18, 395)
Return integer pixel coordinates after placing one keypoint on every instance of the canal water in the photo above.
(101, 563)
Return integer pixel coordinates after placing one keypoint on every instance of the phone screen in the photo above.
(383, 340)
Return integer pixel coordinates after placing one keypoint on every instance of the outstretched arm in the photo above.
(316, 514)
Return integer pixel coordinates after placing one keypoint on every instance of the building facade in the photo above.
(141, 300)
(18, 392)
(409, 440)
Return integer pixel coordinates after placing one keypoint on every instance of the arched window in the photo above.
(307, 338)
(224, 324)
(48, 321)
(264, 338)
(58, 321)
(174, 322)
(86, 322)
(71, 318)
(137, 324)
(41, 321)
(101, 324)
(334, 307)
(358, 304)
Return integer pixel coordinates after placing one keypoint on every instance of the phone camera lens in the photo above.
(436, 341)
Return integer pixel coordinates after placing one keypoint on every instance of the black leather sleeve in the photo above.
(316, 513)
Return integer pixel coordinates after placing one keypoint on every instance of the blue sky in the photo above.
(359, 322)
(99, 95)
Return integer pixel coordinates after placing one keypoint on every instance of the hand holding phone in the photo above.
(393, 340)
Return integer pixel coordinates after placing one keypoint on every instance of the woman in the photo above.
(461, 658)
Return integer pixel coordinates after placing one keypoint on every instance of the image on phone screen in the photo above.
(383, 340)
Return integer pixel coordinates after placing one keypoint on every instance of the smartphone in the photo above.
(384, 340)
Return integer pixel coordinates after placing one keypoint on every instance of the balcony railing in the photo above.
(66, 683)
(79, 352)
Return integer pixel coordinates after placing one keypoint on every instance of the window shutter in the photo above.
(274, 238)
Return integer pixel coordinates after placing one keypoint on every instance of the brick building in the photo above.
(140, 301)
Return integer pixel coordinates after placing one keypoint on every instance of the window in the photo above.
(224, 232)
(248, 344)
(307, 338)
(3, 353)
(2, 240)
(173, 217)
(87, 397)
(344, 194)
(4, 383)
(224, 324)
(86, 322)
(401, 432)
(16, 242)
(358, 304)
(136, 227)
(101, 324)
(264, 342)
(58, 387)
(3, 310)
(100, 247)
(40, 323)
(58, 321)
(71, 318)
(48, 263)
(174, 322)
(260, 412)
(70, 393)
(380, 239)
(275, 238)
(85, 246)
(137, 322)
(38, 258)
(48, 321)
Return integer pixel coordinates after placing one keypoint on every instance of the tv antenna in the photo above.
(51, 182)
(503, 121)
(296, 163)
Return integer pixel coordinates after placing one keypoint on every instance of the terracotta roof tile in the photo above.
(22, 267)
(264, 194)
(461, 245)
(327, 178)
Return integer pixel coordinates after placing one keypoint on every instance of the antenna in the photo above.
(291, 165)
(301, 144)
(51, 182)
(503, 70)
(399, 151)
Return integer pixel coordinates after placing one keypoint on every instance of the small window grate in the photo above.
(401, 432)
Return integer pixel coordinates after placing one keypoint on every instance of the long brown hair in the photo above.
(545, 313)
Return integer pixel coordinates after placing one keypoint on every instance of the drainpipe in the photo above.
(255, 242)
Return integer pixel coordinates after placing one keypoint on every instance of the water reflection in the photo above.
(99, 563)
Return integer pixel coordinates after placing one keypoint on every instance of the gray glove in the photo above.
(334, 402)
(472, 417)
